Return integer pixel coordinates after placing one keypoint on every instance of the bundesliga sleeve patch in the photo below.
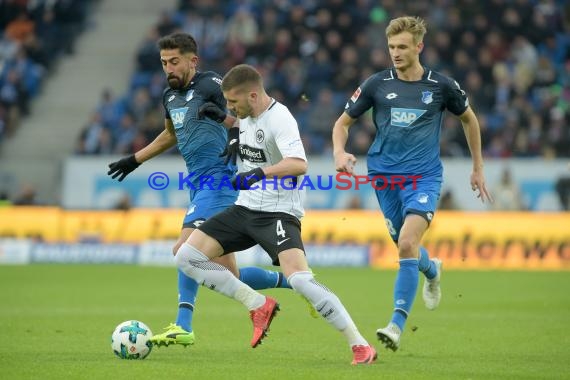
(356, 94)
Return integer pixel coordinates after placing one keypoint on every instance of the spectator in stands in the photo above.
(354, 203)
(139, 142)
(90, 136)
(125, 135)
(108, 109)
(4, 199)
(243, 27)
(70, 16)
(148, 54)
(12, 98)
(20, 29)
(321, 71)
(447, 201)
(139, 104)
(47, 38)
(26, 197)
(507, 194)
(563, 190)
(95, 138)
(124, 203)
(323, 114)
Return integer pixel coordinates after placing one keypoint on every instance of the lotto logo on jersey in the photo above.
(177, 116)
(405, 117)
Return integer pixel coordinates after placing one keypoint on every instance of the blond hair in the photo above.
(416, 26)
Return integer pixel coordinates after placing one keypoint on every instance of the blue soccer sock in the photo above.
(259, 278)
(425, 265)
(187, 289)
(405, 291)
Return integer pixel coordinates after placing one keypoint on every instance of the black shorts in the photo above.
(238, 228)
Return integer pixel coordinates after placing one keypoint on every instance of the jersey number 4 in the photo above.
(280, 233)
(279, 229)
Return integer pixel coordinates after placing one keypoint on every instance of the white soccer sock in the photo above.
(216, 277)
(328, 305)
(249, 297)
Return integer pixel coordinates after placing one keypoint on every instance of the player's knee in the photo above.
(187, 259)
(181, 258)
(299, 281)
(407, 248)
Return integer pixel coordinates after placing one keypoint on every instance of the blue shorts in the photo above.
(207, 203)
(396, 203)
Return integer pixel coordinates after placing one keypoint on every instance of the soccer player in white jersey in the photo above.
(265, 213)
(408, 101)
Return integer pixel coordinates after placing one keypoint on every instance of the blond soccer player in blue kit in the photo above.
(408, 102)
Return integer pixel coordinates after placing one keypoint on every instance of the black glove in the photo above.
(212, 111)
(232, 147)
(243, 181)
(123, 167)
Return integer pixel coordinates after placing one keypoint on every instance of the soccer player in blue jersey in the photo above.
(200, 141)
(408, 101)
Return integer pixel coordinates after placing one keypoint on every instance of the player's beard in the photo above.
(175, 83)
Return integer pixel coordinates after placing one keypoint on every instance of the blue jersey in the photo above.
(200, 141)
(408, 117)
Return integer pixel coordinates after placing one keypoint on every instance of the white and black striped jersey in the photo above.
(264, 141)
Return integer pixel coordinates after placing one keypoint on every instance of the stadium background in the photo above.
(80, 83)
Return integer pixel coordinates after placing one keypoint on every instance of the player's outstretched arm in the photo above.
(343, 161)
(164, 141)
(473, 136)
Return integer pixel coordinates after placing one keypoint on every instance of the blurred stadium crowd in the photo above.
(33, 35)
(512, 57)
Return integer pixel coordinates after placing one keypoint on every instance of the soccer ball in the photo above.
(131, 340)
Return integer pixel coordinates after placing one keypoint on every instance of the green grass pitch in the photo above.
(56, 322)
